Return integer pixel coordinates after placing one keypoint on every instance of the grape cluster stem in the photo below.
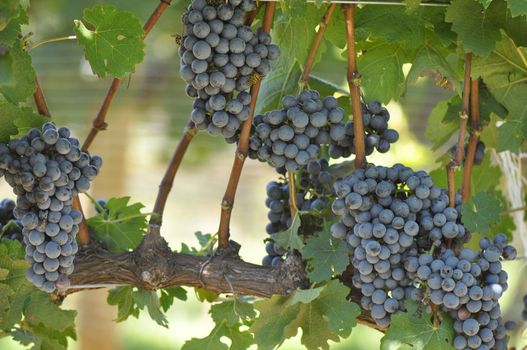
(354, 87)
(242, 149)
(474, 138)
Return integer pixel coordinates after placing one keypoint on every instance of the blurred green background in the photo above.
(145, 123)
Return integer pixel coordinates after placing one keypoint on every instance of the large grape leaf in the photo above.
(381, 69)
(477, 27)
(414, 328)
(325, 256)
(504, 72)
(114, 45)
(397, 25)
(289, 238)
(322, 313)
(438, 129)
(17, 79)
(150, 300)
(517, 7)
(228, 316)
(121, 227)
(15, 120)
(480, 212)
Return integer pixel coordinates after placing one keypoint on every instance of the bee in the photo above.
(179, 39)
(255, 77)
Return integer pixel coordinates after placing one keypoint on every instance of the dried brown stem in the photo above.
(473, 141)
(463, 120)
(84, 235)
(242, 149)
(99, 122)
(316, 44)
(292, 193)
(40, 101)
(464, 114)
(354, 87)
(170, 173)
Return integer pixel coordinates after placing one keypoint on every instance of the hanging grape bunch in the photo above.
(46, 169)
(10, 227)
(314, 193)
(292, 137)
(377, 135)
(388, 215)
(221, 58)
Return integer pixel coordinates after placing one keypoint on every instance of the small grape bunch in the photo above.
(478, 156)
(314, 193)
(10, 227)
(221, 58)
(292, 137)
(377, 135)
(47, 169)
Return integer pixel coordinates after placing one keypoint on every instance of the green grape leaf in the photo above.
(169, 294)
(40, 310)
(485, 3)
(228, 316)
(122, 297)
(325, 256)
(488, 105)
(504, 72)
(9, 35)
(397, 25)
(322, 313)
(414, 328)
(206, 244)
(477, 27)
(115, 45)
(438, 129)
(336, 31)
(121, 227)
(8, 10)
(17, 80)
(481, 211)
(15, 120)
(289, 239)
(428, 59)
(281, 81)
(232, 312)
(510, 136)
(150, 300)
(205, 295)
(517, 7)
(382, 76)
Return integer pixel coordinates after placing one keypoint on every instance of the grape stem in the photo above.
(292, 193)
(99, 122)
(463, 120)
(242, 149)
(473, 141)
(354, 87)
(40, 100)
(315, 45)
(54, 40)
(168, 179)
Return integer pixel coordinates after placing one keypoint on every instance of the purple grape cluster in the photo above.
(377, 135)
(221, 58)
(292, 137)
(47, 169)
(478, 156)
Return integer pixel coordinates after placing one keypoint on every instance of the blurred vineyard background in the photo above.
(145, 124)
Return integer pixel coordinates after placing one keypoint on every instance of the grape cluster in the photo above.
(10, 227)
(469, 286)
(478, 156)
(313, 194)
(377, 136)
(46, 169)
(221, 58)
(388, 216)
(292, 137)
